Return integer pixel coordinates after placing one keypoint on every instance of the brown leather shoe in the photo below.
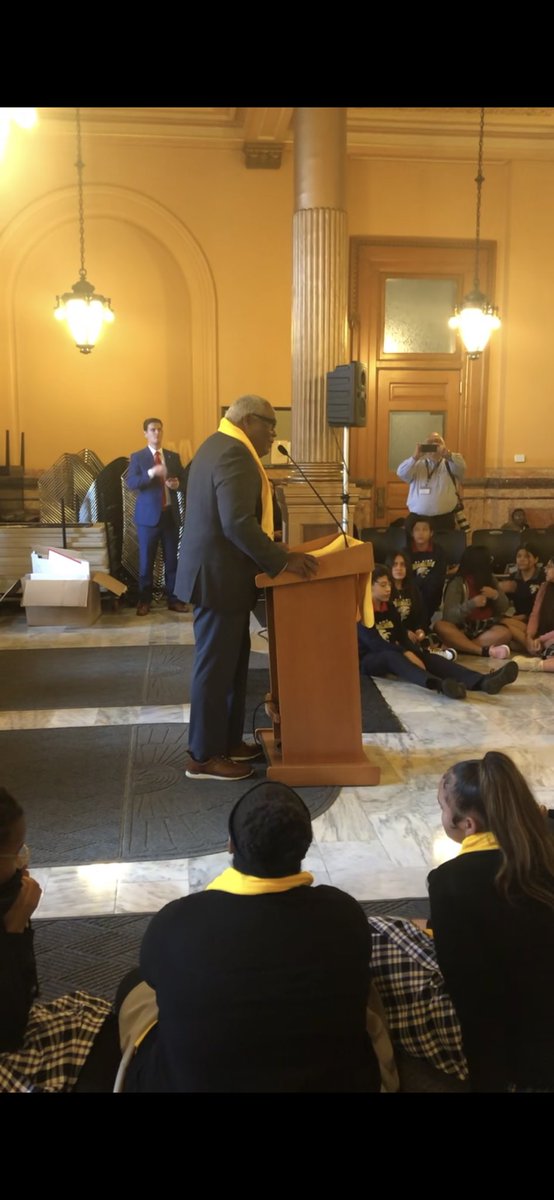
(143, 609)
(245, 752)
(218, 768)
(178, 606)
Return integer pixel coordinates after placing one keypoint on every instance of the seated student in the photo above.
(492, 915)
(492, 936)
(472, 618)
(517, 521)
(406, 597)
(259, 983)
(429, 563)
(540, 628)
(524, 581)
(407, 600)
(385, 649)
(42, 1046)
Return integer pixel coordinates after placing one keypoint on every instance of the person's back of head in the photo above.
(495, 794)
(270, 830)
(476, 561)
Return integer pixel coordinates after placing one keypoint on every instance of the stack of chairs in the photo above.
(388, 541)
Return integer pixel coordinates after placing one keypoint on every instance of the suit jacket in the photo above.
(148, 507)
(223, 545)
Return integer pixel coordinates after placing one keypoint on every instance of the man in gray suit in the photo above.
(227, 539)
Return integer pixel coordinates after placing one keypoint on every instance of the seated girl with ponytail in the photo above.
(487, 970)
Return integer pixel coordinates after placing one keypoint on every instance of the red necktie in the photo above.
(158, 459)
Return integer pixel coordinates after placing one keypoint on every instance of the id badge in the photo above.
(425, 491)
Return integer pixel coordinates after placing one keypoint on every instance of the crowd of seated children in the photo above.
(473, 991)
(540, 627)
(473, 615)
(524, 580)
(43, 1047)
(386, 649)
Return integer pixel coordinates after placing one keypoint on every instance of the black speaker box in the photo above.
(347, 395)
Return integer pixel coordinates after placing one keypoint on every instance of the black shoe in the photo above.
(494, 682)
(453, 689)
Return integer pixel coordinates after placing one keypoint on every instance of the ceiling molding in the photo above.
(414, 133)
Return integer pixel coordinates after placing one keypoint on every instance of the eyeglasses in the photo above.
(268, 420)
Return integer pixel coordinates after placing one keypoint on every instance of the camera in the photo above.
(462, 522)
(428, 447)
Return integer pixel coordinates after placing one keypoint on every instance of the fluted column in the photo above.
(320, 276)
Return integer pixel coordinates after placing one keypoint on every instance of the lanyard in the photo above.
(431, 472)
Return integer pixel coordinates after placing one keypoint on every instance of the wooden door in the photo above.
(414, 365)
(410, 406)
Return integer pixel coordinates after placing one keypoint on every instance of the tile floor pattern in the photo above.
(377, 842)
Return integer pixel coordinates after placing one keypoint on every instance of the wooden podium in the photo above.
(315, 699)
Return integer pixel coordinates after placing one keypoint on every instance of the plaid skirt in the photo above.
(57, 1041)
(420, 1013)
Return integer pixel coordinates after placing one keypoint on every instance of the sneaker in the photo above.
(528, 664)
(493, 683)
(246, 752)
(218, 768)
(446, 652)
(453, 689)
(499, 652)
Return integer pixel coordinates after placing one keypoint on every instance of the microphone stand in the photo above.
(283, 450)
(345, 476)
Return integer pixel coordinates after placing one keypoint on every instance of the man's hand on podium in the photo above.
(304, 565)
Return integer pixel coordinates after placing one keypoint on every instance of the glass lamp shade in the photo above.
(475, 322)
(85, 313)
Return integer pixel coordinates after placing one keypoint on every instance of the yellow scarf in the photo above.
(365, 602)
(233, 431)
(234, 881)
(479, 841)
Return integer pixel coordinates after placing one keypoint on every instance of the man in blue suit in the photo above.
(156, 475)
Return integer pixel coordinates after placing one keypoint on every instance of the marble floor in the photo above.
(376, 842)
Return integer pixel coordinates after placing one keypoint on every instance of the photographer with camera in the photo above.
(433, 473)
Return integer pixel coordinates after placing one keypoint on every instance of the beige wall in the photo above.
(195, 251)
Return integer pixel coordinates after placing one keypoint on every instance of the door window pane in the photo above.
(416, 316)
(406, 429)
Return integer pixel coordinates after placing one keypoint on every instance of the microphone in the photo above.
(283, 450)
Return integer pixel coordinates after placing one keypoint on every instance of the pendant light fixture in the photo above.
(477, 318)
(84, 309)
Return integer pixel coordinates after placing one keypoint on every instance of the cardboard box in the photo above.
(74, 603)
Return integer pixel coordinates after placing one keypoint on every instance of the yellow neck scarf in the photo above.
(234, 881)
(365, 602)
(479, 841)
(233, 431)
